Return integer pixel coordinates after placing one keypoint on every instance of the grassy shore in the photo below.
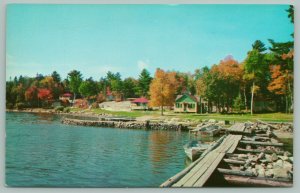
(270, 117)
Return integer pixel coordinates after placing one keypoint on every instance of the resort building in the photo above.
(189, 104)
(139, 104)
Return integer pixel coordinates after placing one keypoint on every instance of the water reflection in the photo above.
(162, 148)
(40, 151)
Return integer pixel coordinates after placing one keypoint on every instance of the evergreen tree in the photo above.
(56, 76)
(144, 83)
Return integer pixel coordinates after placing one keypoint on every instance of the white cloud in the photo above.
(143, 64)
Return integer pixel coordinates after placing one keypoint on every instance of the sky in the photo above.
(95, 39)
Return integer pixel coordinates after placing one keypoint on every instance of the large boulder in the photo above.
(269, 173)
(212, 121)
(278, 164)
(280, 173)
(274, 157)
(287, 165)
(261, 172)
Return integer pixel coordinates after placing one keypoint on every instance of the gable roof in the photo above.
(192, 97)
(140, 100)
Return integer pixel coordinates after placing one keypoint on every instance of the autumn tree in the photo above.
(282, 68)
(31, 95)
(55, 87)
(281, 83)
(220, 84)
(45, 95)
(162, 89)
(47, 82)
(186, 83)
(75, 79)
(229, 75)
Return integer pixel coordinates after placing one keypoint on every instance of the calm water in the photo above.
(40, 151)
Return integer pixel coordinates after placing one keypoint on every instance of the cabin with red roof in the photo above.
(139, 104)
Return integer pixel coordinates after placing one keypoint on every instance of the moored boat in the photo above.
(207, 130)
(194, 149)
(211, 130)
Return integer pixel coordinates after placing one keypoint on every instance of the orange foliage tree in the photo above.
(45, 94)
(229, 74)
(31, 94)
(281, 83)
(162, 89)
(278, 84)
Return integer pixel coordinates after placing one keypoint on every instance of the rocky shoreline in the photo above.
(52, 111)
(146, 125)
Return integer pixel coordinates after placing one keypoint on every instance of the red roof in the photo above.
(67, 94)
(140, 100)
(108, 92)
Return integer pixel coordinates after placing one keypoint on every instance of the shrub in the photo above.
(9, 106)
(59, 108)
(238, 104)
(20, 106)
(95, 105)
(66, 110)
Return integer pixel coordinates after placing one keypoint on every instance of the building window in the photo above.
(191, 105)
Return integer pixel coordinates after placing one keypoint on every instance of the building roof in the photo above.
(140, 100)
(194, 98)
(67, 95)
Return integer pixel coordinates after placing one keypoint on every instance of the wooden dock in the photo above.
(248, 155)
(238, 128)
(199, 172)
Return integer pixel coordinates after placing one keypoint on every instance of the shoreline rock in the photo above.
(145, 125)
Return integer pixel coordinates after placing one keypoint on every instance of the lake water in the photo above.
(40, 151)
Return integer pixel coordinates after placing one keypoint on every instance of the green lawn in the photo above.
(280, 117)
(277, 117)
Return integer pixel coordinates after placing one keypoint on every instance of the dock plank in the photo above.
(209, 171)
(192, 172)
(237, 127)
(236, 142)
(201, 172)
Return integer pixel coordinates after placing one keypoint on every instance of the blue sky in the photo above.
(126, 38)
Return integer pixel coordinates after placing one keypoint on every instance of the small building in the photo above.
(109, 95)
(189, 104)
(139, 104)
(66, 96)
(66, 99)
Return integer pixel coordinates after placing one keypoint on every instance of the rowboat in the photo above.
(207, 130)
(194, 149)
(211, 130)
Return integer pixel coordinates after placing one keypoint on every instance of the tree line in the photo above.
(39, 91)
(265, 74)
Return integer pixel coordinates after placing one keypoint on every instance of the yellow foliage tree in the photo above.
(162, 89)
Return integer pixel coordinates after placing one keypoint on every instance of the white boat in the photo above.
(194, 149)
(207, 130)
